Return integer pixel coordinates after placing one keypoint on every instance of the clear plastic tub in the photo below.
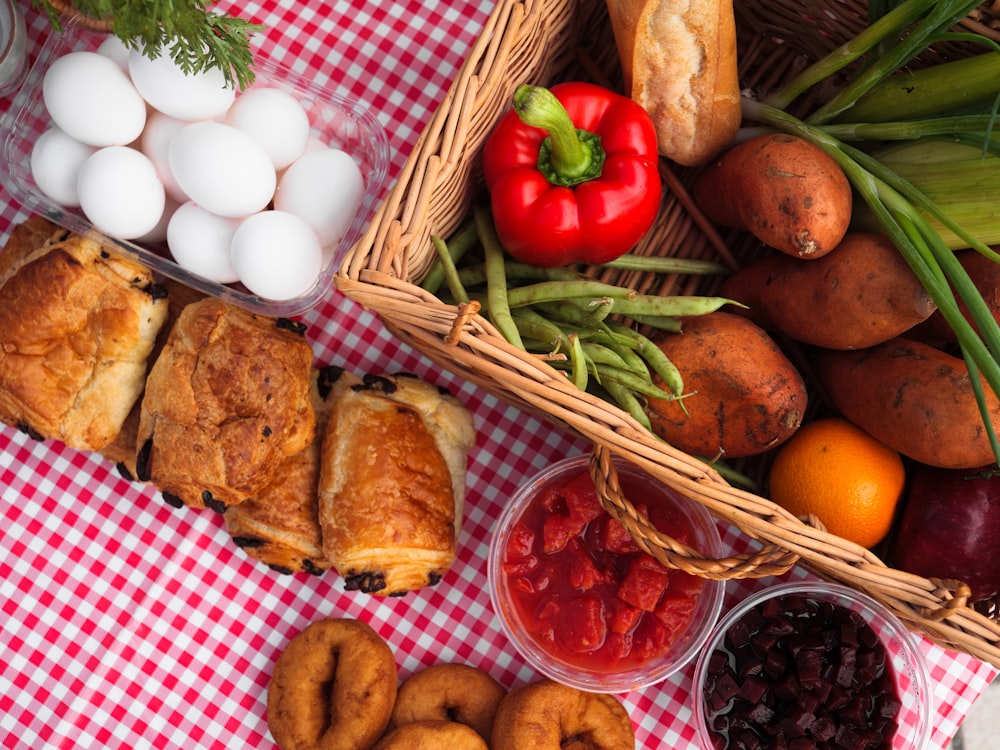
(909, 669)
(595, 675)
(335, 121)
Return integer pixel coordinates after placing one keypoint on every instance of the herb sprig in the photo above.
(196, 37)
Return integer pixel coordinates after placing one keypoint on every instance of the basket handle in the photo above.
(770, 560)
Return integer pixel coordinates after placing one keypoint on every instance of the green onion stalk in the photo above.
(915, 146)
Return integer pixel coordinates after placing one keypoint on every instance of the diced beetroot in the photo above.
(847, 739)
(726, 686)
(775, 664)
(754, 666)
(809, 666)
(887, 706)
(762, 643)
(581, 626)
(644, 583)
(854, 713)
(558, 530)
(808, 701)
(843, 675)
(752, 689)
(787, 687)
(802, 743)
(738, 634)
(717, 662)
(748, 740)
(823, 728)
(781, 627)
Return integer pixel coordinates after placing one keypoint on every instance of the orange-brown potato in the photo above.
(743, 394)
(789, 193)
(860, 294)
(914, 398)
(985, 274)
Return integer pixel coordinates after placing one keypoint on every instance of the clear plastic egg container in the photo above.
(335, 121)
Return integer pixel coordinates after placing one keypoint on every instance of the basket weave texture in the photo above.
(544, 42)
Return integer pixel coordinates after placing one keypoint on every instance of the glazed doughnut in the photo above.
(333, 688)
(432, 735)
(547, 715)
(449, 692)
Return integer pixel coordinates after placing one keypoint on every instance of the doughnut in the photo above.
(547, 715)
(333, 688)
(432, 735)
(449, 692)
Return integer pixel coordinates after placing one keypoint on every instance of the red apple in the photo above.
(950, 528)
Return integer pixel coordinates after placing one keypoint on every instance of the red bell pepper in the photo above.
(572, 175)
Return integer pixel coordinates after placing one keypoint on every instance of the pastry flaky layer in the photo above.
(392, 483)
(226, 401)
(280, 525)
(77, 326)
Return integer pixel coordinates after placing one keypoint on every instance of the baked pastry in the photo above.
(225, 403)
(78, 322)
(332, 688)
(280, 525)
(122, 450)
(392, 483)
(680, 63)
(452, 692)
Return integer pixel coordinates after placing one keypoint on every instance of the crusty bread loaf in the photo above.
(679, 62)
(280, 525)
(226, 402)
(392, 483)
(77, 325)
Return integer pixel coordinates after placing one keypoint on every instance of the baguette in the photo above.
(679, 63)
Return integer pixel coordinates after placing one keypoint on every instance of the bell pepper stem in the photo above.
(568, 156)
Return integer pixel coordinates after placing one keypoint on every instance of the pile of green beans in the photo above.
(580, 325)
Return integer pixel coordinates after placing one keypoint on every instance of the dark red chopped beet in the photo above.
(798, 674)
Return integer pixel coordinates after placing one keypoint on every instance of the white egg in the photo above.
(326, 189)
(114, 48)
(158, 234)
(200, 242)
(120, 192)
(195, 96)
(275, 119)
(92, 99)
(56, 159)
(276, 255)
(222, 168)
(155, 144)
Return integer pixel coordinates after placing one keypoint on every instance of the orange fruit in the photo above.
(842, 475)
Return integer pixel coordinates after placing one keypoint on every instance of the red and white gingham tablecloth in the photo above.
(127, 624)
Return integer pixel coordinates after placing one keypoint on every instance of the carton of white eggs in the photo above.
(253, 196)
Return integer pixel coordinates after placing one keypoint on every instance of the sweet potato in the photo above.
(859, 295)
(743, 395)
(985, 275)
(914, 398)
(789, 193)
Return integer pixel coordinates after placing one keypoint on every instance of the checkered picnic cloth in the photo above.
(125, 623)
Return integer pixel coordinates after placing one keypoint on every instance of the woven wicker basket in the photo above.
(542, 42)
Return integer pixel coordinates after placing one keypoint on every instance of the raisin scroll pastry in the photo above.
(392, 483)
(280, 525)
(225, 403)
(77, 325)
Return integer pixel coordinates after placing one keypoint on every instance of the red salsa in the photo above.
(581, 585)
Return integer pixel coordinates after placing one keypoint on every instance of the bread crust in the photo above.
(279, 526)
(392, 483)
(226, 402)
(77, 326)
(679, 62)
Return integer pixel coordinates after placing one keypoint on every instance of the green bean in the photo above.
(627, 400)
(532, 325)
(657, 264)
(600, 354)
(660, 364)
(578, 361)
(459, 244)
(450, 272)
(566, 312)
(600, 308)
(633, 382)
(674, 306)
(476, 275)
(552, 291)
(496, 277)
(660, 322)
